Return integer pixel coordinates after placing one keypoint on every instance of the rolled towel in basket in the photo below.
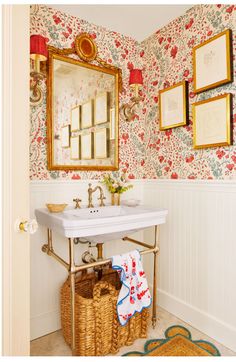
(134, 294)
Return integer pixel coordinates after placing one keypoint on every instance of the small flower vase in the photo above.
(115, 199)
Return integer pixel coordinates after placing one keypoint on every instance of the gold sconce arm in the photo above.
(128, 109)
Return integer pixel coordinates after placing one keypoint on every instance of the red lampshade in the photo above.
(38, 47)
(135, 77)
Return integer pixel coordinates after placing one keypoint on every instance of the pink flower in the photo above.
(130, 66)
(160, 40)
(169, 39)
(191, 95)
(141, 135)
(56, 19)
(230, 166)
(173, 52)
(189, 159)
(188, 26)
(220, 154)
(155, 82)
(230, 9)
(186, 73)
(168, 132)
(66, 35)
(125, 137)
(161, 159)
(174, 175)
(131, 176)
(209, 32)
(141, 54)
(155, 99)
(117, 43)
(166, 84)
(233, 158)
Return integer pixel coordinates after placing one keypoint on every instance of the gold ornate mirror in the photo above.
(82, 109)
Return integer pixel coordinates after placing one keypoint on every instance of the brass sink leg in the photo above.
(72, 292)
(100, 251)
(154, 301)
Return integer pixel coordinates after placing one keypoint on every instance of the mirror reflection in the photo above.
(82, 114)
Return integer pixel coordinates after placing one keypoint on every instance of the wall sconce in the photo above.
(38, 53)
(135, 81)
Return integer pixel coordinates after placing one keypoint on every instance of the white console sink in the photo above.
(101, 224)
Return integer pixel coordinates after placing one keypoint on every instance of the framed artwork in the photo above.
(75, 118)
(100, 143)
(75, 148)
(212, 62)
(87, 114)
(86, 146)
(112, 123)
(101, 108)
(173, 106)
(211, 122)
(65, 136)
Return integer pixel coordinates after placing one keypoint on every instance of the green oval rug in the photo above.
(178, 342)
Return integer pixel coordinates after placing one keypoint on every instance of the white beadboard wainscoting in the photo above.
(197, 261)
(47, 276)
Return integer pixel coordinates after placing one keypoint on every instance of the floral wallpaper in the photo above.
(166, 59)
(60, 29)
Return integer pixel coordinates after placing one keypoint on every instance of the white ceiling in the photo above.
(136, 21)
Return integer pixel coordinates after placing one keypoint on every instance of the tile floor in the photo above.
(54, 345)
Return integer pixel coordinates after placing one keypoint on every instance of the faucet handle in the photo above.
(77, 201)
(101, 198)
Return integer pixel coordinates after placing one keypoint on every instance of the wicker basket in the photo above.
(97, 329)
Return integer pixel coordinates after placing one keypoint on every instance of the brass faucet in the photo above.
(77, 201)
(91, 191)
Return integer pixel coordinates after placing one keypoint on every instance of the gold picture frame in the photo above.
(65, 136)
(211, 122)
(100, 143)
(75, 147)
(75, 116)
(101, 106)
(87, 114)
(173, 106)
(86, 148)
(212, 62)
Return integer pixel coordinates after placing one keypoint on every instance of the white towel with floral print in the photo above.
(134, 294)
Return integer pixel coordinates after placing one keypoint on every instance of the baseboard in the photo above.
(44, 324)
(216, 329)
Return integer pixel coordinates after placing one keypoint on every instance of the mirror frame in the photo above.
(62, 54)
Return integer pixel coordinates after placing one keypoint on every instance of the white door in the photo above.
(16, 256)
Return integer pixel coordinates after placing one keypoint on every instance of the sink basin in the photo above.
(97, 212)
(101, 224)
